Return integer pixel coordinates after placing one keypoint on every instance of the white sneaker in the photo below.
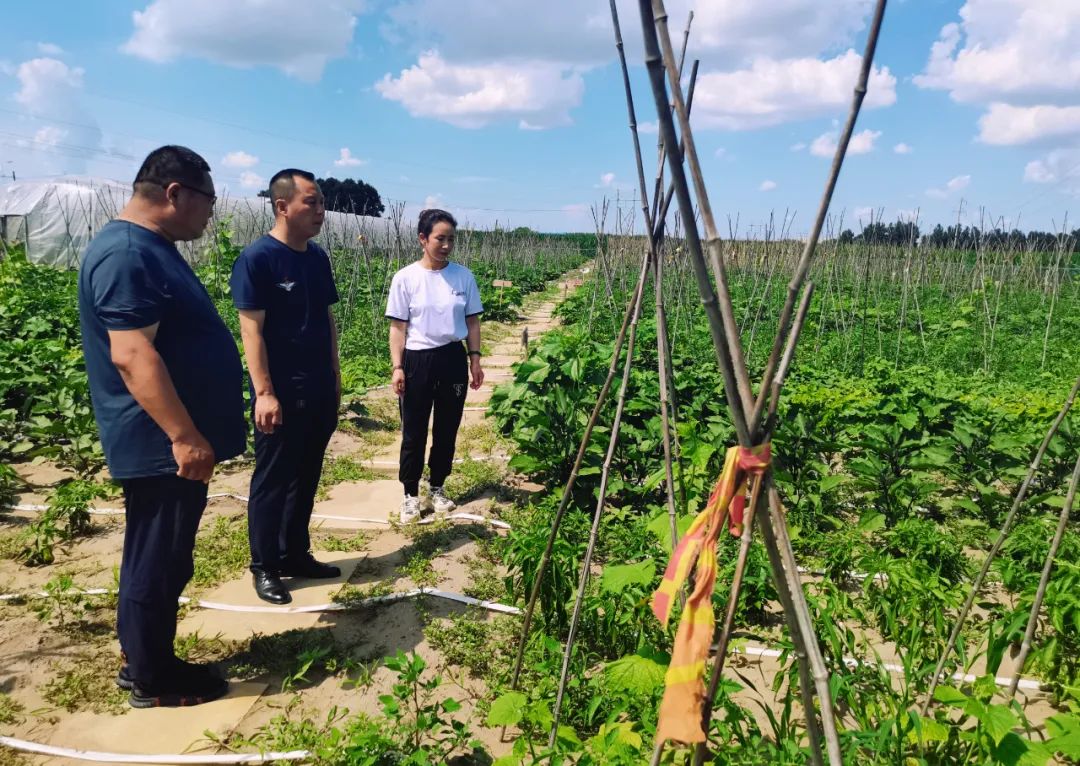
(410, 509)
(440, 503)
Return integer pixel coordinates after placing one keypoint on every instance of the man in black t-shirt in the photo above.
(167, 388)
(283, 287)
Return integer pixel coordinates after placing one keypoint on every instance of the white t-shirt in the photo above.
(435, 303)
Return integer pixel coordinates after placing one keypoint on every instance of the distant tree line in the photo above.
(959, 237)
(348, 196)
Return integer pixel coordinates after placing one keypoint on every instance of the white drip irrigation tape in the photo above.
(457, 460)
(454, 517)
(492, 606)
(91, 511)
(852, 662)
(324, 516)
(42, 594)
(93, 755)
(860, 576)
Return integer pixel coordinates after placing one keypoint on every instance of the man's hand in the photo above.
(194, 457)
(477, 373)
(267, 413)
(397, 382)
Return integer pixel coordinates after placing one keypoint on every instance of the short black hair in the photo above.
(283, 184)
(430, 217)
(171, 164)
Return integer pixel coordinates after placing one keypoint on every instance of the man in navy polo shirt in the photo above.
(167, 388)
(283, 287)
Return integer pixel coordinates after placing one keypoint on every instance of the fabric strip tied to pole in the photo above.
(684, 692)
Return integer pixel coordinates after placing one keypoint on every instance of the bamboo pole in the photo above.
(1040, 594)
(976, 585)
(721, 320)
(744, 547)
(564, 503)
(586, 563)
(657, 269)
(830, 185)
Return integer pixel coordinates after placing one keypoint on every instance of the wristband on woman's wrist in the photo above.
(399, 367)
(474, 353)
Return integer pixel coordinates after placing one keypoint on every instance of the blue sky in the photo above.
(512, 111)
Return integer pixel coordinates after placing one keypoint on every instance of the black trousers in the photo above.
(288, 463)
(162, 515)
(436, 378)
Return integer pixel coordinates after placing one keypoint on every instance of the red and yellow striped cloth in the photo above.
(681, 707)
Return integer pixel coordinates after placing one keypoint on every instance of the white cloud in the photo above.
(49, 88)
(751, 45)
(50, 49)
(725, 32)
(347, 160)
(239, 159)
(44, 81)
(250, 180)
(902, 148)
(537, 94)
(1061, 166)
(1019, 60)
(767, 186)
(1022, 51)
(865, 213)
(955, 184)
(434, 200)
(860, 143)
(1003, 124)
(49, 136)
(958, 183)
(607, 179)
(649, 128)
(721, 153)
(798, 146)
(247, 33)
(771, 91)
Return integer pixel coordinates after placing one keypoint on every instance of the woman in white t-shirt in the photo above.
(433, 306)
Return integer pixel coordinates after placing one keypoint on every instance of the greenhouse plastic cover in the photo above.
(55, 218)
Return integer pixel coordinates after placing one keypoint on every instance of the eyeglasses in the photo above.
(208, 195)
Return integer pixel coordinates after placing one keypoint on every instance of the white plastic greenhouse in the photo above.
(55, 218)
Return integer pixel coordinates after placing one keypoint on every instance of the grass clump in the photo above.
(337, 470)
(221, 551)
(327, 541)
(472, 477)
(482, 645)
(354, 596)
(420, 570)
(11, 710)
(88, 682)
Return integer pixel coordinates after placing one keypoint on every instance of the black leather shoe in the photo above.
(271, 588)
(312, 569)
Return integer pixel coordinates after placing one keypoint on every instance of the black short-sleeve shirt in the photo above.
(131, 278)
(295, 289)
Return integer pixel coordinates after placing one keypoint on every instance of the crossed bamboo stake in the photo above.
(1006, 527)
(746, 410)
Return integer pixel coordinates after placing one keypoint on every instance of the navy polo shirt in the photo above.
(295, 289)
(131, 278)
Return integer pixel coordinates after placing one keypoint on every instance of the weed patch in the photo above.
(221, 551)
(337, 470)
(87, 682)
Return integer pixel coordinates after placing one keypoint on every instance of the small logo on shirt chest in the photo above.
(287, 285)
